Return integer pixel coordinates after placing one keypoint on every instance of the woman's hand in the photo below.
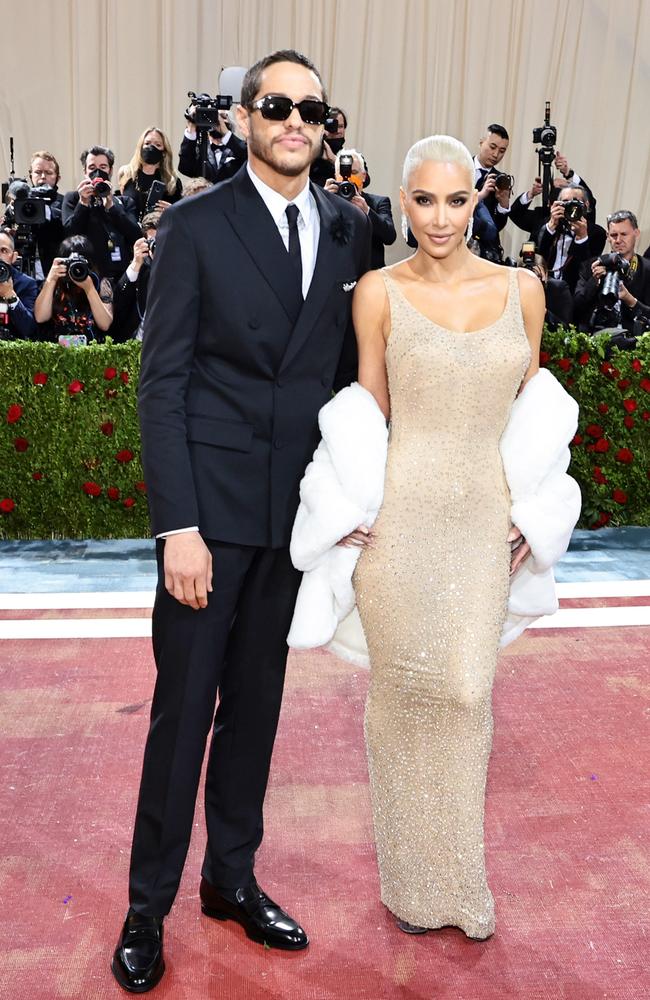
(86, 284)
(58, 270)
(360, 539)
(160, 206)
(520, 548)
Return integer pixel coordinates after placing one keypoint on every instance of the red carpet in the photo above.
(567, 834)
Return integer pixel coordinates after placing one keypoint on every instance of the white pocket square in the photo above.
(348, 286)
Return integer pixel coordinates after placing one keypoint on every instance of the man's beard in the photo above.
(266, 155)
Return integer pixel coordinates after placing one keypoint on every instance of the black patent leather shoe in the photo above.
(138, 959)
(262, 919)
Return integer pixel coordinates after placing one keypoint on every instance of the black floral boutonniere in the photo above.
(341, 230)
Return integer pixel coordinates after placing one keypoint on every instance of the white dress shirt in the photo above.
(479, 171)
(308, 234)
(218, 150)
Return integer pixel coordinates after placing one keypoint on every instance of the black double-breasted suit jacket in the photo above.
(235, 366)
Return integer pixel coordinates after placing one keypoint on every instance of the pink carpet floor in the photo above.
(566, 834)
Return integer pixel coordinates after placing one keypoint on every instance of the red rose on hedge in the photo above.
(129, 502)
(645, 415)
(578, 439)
(624, 384)
(106, 428)
(584, 358)
(637, 365)
(620, 496)
(602, 445)
(603, 408)
(125, 377)
(124, 455)
(603, 518)
(113, 493)
(645, 384)
(630, 405)
(40, 378)
(21, 444)
(544, 357)
(37, 476)
(624, 455)
(594, 430)
(607, 368)
(14, 413)
(75, 387)
(7, 505)
(628, 421)
(141, 487)
(564, 364)
(110, 373)
(92, 489)
(598, 476)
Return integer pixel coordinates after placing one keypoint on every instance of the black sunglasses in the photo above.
(277, 108)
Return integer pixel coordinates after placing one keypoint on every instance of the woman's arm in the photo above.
(101, 303)
(43, 304)
(533, 309)
(371, 318)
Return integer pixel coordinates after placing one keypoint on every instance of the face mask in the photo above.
(98, 173)
(151, 154)
(335, 144)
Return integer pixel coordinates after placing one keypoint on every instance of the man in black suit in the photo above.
(17, 295)
(634, 291)
(225, 152)
(492, 200)
(110, 221)
(565, 244)
(531, 218)
(44, 173)
(130, 295)
(376, 207)
(247, 316)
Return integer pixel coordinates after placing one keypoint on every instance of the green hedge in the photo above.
(70, 451)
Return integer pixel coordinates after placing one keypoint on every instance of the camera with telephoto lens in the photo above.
(5, 272)
(100, 183)
(29, 208)
(346, 188)
(574, 211)
(206, 111)
(617, 268)
(77, 266)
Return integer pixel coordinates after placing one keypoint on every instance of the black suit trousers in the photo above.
(236, 650)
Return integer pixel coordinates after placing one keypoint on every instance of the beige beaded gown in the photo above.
(432, 596)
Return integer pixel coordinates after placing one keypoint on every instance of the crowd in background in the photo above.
(75, 266)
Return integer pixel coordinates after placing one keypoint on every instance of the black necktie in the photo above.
(294, 243)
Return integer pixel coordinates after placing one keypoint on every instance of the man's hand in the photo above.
(626, 297)
(7, 289)
(331, 185)
(503, 198)
(557, 213)
(188, 569)
(536, 188)
(327, 153)
(580, 229)
(107, 201)
(489, 187)
(86, 191)
(140, 253)
(361, 203)
(562, 163)
(597, 270)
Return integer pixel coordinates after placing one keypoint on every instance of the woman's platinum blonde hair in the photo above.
(439, 149)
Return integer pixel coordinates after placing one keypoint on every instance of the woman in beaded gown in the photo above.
(446, 341)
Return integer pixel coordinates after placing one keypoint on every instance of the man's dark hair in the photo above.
(577, 187)
(623, 215)
(251, 82)
(498, 130)
(98, 151)
(340, 111)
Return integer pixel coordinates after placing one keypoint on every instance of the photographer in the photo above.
(568, 239)
(74, 300)
(109, 221)
(559, 301)
(151, 161)
(634, 284)
(530, 218)
(130, 299)
(376, 207)
(17, 295)
(225, 152)
(322, 169)
(494, 188)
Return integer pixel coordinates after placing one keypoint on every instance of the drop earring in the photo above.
(405, 227)
(469, 230)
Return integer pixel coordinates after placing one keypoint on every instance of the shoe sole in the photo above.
(117, 972)
(251, 933)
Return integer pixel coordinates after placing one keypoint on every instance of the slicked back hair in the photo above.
(498, 130)
(251, 82)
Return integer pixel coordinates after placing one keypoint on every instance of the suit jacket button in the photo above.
(254, 323)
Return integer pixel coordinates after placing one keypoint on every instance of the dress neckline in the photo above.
(461, 333)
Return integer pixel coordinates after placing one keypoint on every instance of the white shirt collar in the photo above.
(277, 203)
(478, 165)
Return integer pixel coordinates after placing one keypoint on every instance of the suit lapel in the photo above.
(325, 274)
(255, 227)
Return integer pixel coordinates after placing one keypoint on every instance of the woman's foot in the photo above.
(410, 928)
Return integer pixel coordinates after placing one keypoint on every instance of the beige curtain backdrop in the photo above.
(82, 71)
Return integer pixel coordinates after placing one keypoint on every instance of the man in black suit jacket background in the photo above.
(565, 245)
(248, 309)
(225, 151)
(531, 217)
(493, 202)
(376, 207)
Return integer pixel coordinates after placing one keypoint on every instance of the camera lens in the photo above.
(78, 270)
(5, 272)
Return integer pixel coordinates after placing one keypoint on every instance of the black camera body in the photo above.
(100, 183)
(206, 109)
(346, 188)
(331, 124)
(617, 267)
(528, 252)
(5, 272)
(77, 266)
(504, 182)
(574, 211)
(151, 244)
(545, 135)
(29, 205)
